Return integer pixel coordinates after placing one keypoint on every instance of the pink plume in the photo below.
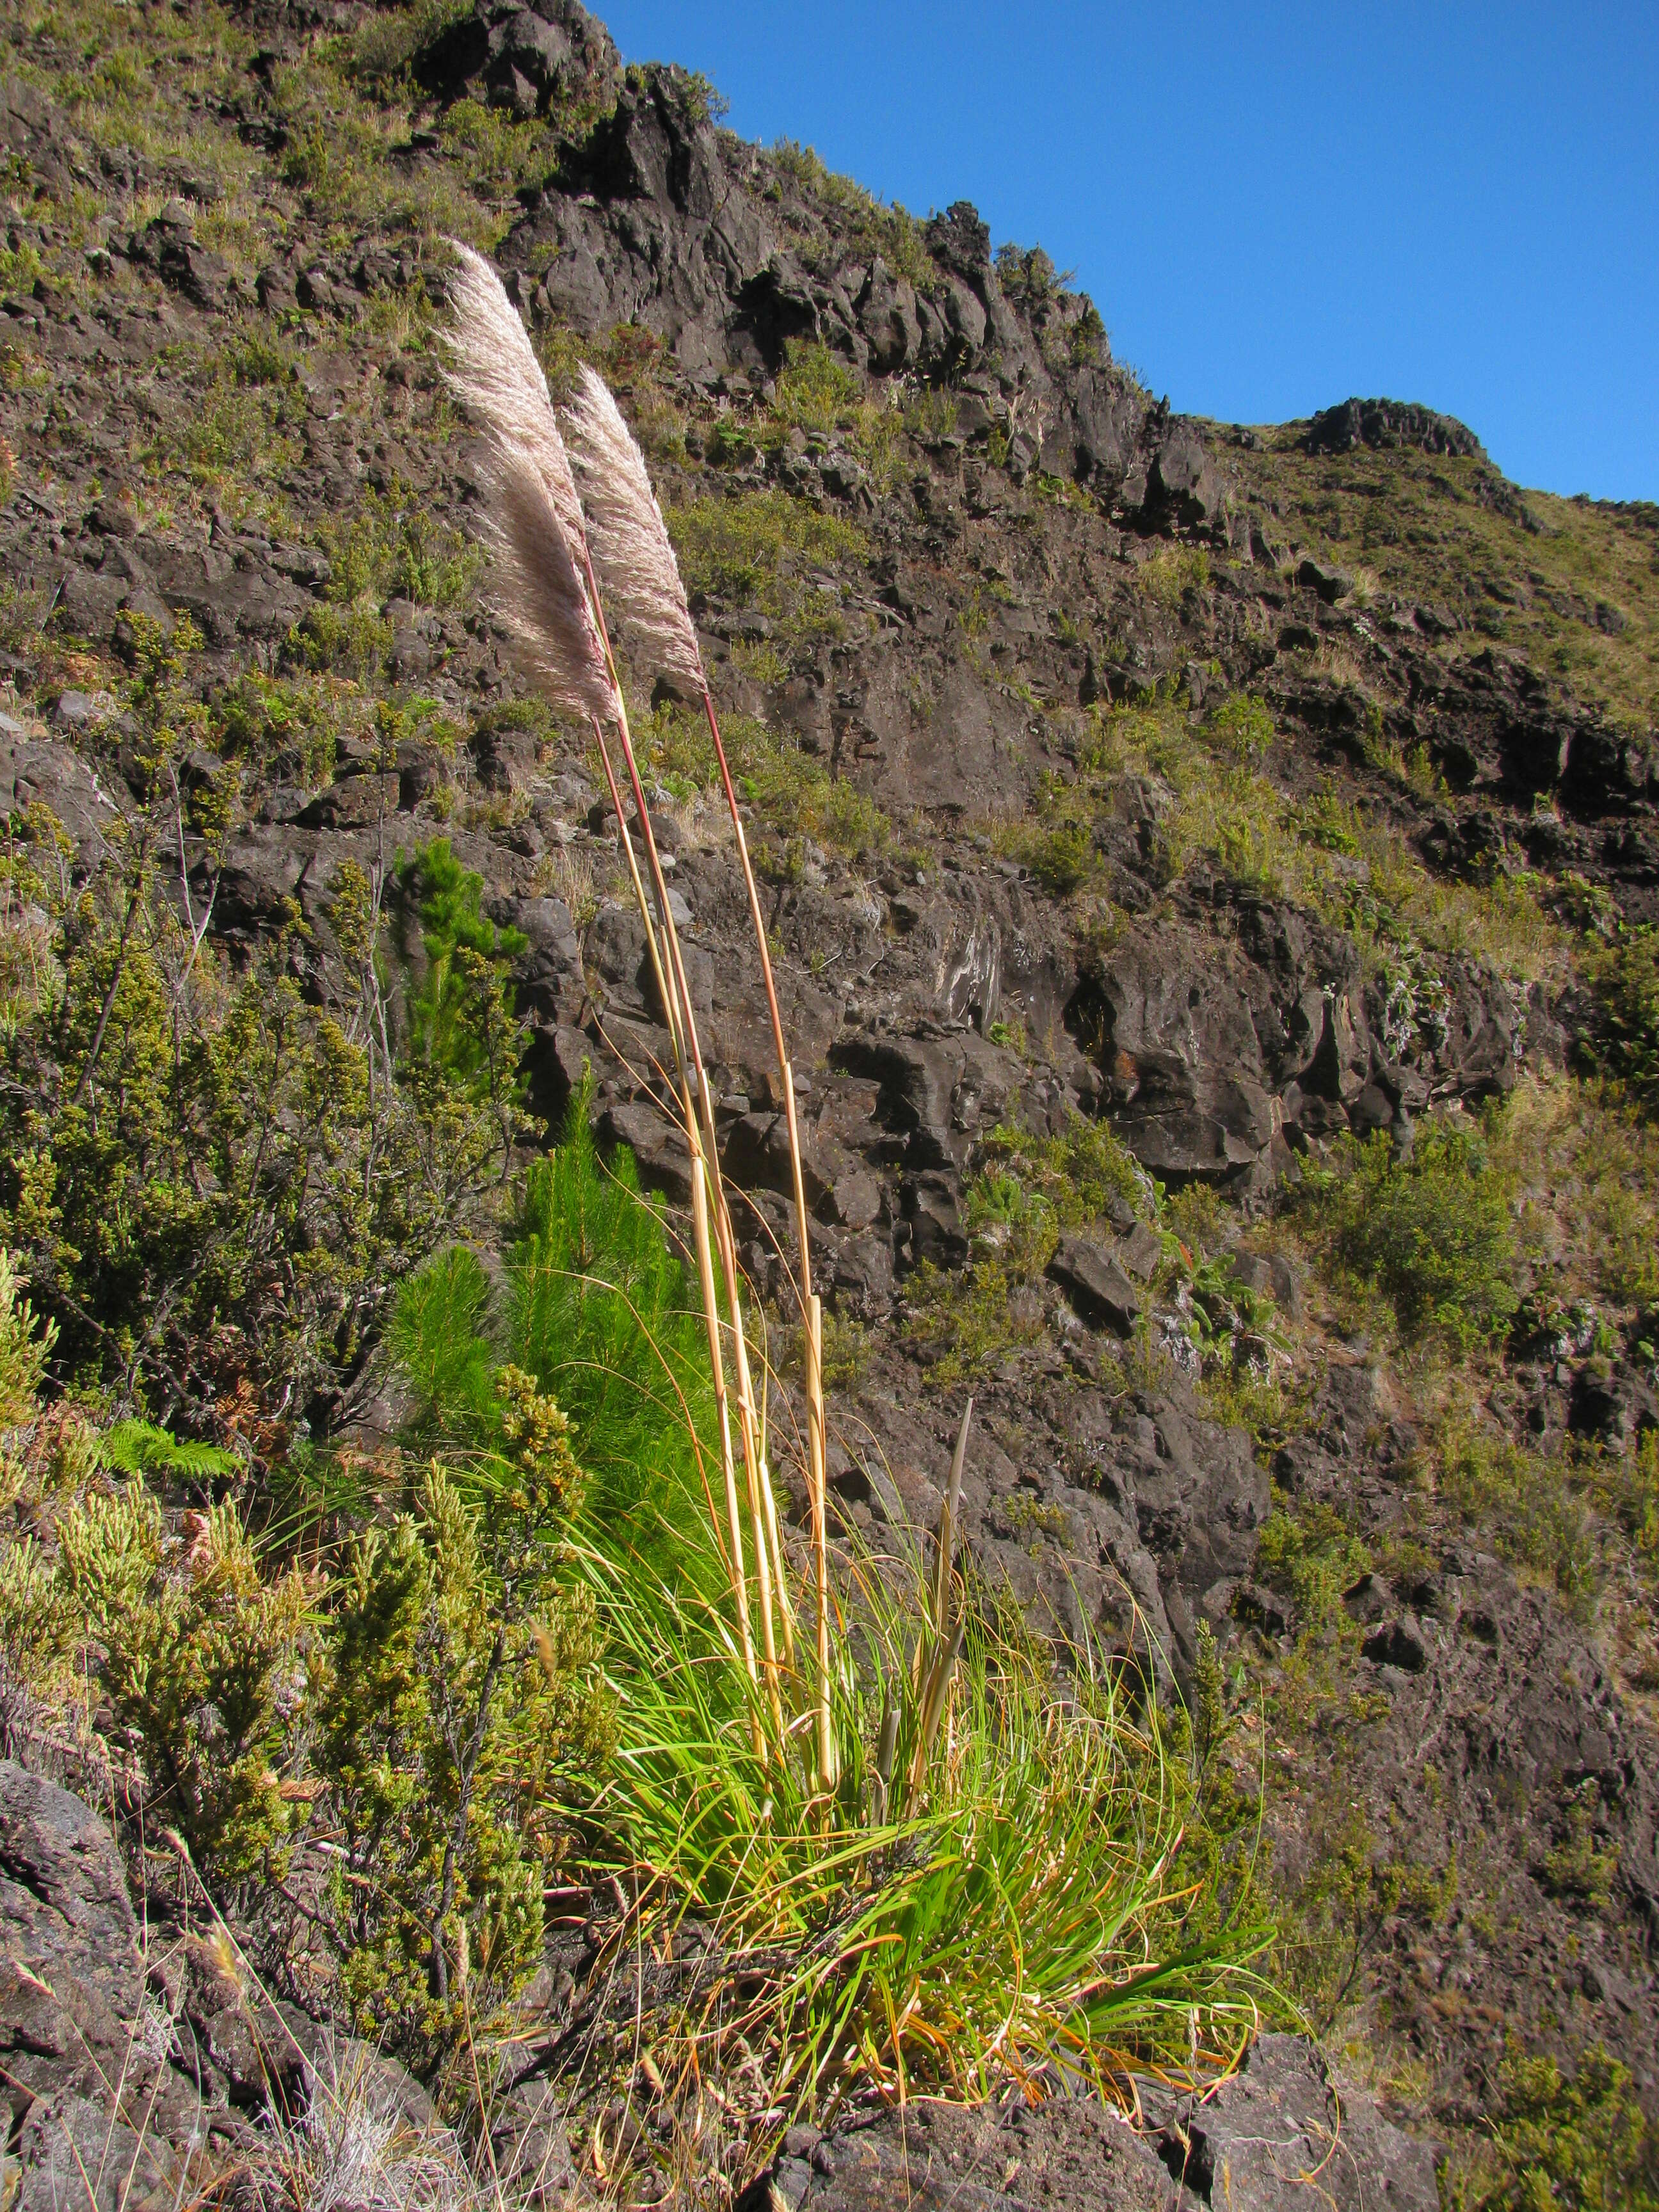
(531, 517)
(627, 536)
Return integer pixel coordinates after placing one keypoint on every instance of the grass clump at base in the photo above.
(955, 1904)
(1036, 1906)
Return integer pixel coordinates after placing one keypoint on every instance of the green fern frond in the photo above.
(141, 1447)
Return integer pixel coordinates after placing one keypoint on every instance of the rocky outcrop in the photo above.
(133, 2062)
(95, 2106)
(1381, 423)
(1277, 2136)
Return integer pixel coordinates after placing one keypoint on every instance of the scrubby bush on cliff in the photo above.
(208, 1174)
(380, 1727)
(1430, 1233)
(1626, 976)
(454, 1700)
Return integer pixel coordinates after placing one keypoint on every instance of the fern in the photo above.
(140, 1448)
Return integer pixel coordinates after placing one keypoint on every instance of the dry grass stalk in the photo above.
(631, 554)
(633, 558)
(548, 596)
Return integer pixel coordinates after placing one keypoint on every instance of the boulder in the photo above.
(96, 2105)
(1398, 1643)
(1389, 422)
(41, 771)
(71, 1979)
(168, 245)
(887, 316)
(1184, 488)
(1278, 2137)
(1063, 2156)
(1331, 583)
(1096, 1284)
(1180, 1060)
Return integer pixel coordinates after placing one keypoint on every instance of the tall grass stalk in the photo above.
(627, 545)
(538, 532)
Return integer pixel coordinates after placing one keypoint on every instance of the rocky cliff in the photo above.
(1232, 790)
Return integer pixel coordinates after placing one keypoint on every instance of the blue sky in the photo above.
(1273, 207)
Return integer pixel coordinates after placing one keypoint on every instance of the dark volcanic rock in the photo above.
(73, 1981)
(100, 2111)
(1094, 1280)
(1278, 2136)
(1385, 423)
(1065, 2157)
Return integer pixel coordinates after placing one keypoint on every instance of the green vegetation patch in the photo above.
(1573, 583)
(760, 549)
(1344, 863)
(1430, 1234)
(392, 547)
(794, 794)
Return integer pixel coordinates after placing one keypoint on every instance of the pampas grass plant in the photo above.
(932, 1861)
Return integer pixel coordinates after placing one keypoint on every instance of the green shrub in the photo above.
(1080, 1171)
(1529, 1503)
(1172, 572)
(455, 1697)
(1430, 1233)
(1242, 726)
(393, 548)
(259, 719)
(598, 1308)
(24, 1349)
(384, 44)
(1060, 855)
(461, 1016)
(1312, 1556)
(791, 791)
(1626, 977)
(1578, 2141)
(755, 550)
(345, 641)
(818, 390)
(1029, 1188)
(202, 1172)
(195, 1650)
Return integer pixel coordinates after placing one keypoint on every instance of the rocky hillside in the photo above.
(1209, 868)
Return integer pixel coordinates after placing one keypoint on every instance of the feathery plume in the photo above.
(627, 536)
(530, 518)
